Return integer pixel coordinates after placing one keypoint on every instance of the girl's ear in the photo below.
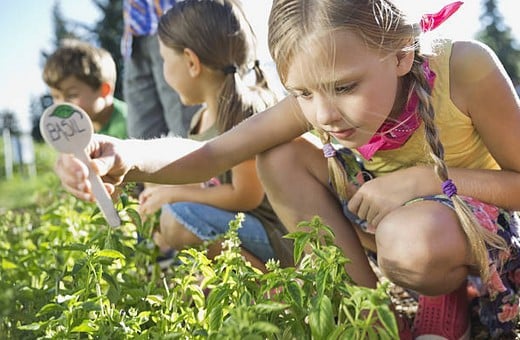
(404, 62)
(192, 62)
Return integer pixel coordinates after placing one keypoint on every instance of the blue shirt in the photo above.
(141, 18)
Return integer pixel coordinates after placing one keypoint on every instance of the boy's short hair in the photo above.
(88, 63)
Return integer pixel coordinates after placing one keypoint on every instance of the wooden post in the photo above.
(27, 154)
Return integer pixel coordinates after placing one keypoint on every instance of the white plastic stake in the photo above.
(68, 129)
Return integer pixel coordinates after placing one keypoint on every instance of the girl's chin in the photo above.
(353, 143)
(347, 144)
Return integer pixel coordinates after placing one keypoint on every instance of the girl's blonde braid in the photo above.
(337, 173)
(477, 236)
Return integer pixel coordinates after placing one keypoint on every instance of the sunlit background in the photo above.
(28, 30)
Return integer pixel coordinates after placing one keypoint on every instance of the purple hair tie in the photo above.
(328, 150)
(449, 188)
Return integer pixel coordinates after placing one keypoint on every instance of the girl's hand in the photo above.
(153, 198)
(379, 196)
(107, 161)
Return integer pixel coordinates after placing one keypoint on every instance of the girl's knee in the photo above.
(174, 233)
(404, 256)
(419, 253)
(275, 157)
(286, 159)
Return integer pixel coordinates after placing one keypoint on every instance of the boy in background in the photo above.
(85, 75)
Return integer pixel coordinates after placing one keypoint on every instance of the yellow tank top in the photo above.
(463, 146)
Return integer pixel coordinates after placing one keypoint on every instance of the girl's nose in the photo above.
(327, 112)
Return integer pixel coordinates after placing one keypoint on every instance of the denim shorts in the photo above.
(209, 223)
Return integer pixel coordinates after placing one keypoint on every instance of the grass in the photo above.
(23, 191)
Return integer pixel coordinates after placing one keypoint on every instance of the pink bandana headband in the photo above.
(392, 135)
(430, 22)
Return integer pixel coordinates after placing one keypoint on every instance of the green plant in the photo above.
(66, 274)
(23, 191)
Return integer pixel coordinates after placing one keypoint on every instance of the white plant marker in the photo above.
(68, 129)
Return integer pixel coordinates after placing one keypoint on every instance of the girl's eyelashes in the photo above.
(337, 90)
(304, 94)
(344, 89)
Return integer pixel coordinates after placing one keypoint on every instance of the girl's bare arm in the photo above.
(180, 160)
(489, 99)
(480, 88)
(176, 161)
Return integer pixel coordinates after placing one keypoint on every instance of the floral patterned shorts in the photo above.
(497, 303)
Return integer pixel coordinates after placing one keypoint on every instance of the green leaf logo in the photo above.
(63, 111)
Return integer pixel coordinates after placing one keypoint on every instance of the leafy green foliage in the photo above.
(23, 191)
(66, 274)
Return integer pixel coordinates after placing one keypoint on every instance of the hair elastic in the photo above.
(230, 69)
(328, 150)
(449, 188)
